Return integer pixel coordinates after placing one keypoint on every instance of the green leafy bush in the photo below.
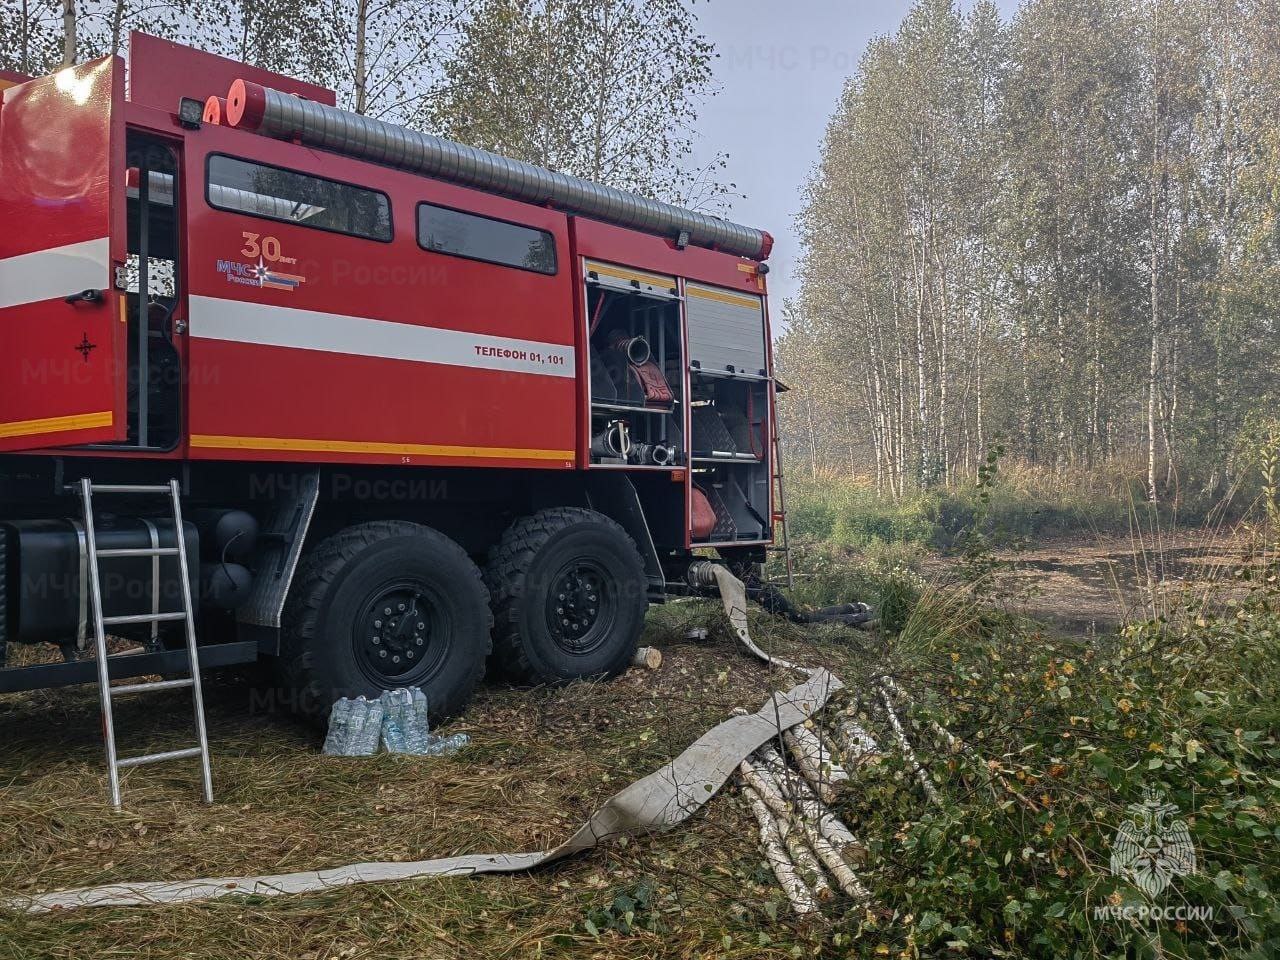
(1016, 506)
(1062, 737)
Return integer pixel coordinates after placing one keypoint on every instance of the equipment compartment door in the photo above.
(62, 342)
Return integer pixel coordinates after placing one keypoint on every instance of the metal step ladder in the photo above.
(106, 692)
(782, 544)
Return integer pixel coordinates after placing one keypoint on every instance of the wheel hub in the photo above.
(400, 636)
(577, 607)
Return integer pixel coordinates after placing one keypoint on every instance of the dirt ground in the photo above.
(1091, 584)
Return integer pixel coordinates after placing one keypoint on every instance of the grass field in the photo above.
(540, 762)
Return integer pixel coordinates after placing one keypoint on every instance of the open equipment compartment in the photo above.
(729, 415)
(729, 454)
(636, 368)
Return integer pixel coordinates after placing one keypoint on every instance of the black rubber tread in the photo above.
(317, 572)
(511, 560)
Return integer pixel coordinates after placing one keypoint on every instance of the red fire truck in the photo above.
(378, 408)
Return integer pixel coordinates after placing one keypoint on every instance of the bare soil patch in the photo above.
(1093, 583)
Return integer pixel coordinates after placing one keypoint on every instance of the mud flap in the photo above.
(285, 536)
(613, 494)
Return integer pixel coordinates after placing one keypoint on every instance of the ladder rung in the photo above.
(125, 488)
(158, 757)
(143, 618)
(153, 685)
(140, 552)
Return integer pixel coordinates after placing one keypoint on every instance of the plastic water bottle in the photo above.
(446, 746)
(355, 727)
(392, 735)
(397, 716)
(417, 729)
(370, 736)
(335, 740)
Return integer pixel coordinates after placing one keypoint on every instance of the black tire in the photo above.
(329, 650)
(526, 575)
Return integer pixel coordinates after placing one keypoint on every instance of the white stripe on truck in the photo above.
(56, 273)
(240, 321)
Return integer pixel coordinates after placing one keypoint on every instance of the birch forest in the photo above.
(1057, 234)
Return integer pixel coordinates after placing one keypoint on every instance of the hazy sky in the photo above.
(781, 69)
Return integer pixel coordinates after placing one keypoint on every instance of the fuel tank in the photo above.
(46, 570)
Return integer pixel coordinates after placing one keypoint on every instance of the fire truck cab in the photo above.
(421, 425)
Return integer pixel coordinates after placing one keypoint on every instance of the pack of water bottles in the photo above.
(396, 720)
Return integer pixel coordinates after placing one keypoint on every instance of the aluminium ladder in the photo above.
(107, 692)
(780, 505)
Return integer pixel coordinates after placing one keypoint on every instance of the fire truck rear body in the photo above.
(416, 350)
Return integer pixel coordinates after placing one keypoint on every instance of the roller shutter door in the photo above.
(726, 329)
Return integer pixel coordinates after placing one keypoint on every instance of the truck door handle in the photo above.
(86, 296)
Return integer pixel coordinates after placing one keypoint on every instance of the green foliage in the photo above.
(634, 908)
(1061, 736)
(603, 89)
(1064, 736)
(970, 519)
(1261, 439)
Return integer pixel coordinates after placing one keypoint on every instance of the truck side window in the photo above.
(242, 186)
(442, 230)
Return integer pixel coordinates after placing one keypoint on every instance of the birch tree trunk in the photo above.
(69, 33)
(361, 69)
(24, 39)
(1156, 174)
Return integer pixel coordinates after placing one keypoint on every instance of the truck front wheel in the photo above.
(569, 596)
(383, 605)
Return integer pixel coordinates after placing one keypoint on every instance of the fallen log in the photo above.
(648, 657)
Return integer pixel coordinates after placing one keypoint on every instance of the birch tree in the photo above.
(604, 89)
(34, 36)
(1061, 230)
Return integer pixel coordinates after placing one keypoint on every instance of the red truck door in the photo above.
(63, 350)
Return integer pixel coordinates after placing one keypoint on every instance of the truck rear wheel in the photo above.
(569, 596)
(383, 605)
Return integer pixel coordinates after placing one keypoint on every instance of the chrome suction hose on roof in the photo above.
(272, 113)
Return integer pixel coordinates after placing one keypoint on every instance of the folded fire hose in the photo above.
(656, 802)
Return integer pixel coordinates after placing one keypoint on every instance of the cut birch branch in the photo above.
(832, 746)
(926, 782)
(815, 762)
(798, 893)
(954, 743)
(802, 855)
(855, 742)
(762, 781)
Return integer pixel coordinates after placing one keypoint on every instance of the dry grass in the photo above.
(541, 760)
